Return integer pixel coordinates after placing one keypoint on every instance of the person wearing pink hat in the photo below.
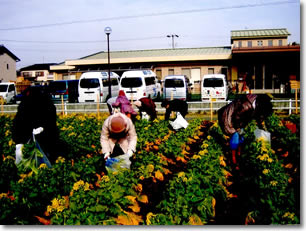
(124, 104)
(118, 136)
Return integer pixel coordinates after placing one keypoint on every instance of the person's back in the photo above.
(175, 105)
(36, 110)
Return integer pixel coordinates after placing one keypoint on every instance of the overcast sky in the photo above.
(52, 31)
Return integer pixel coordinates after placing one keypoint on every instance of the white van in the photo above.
(8, 92)
(176, 87)
(214, 86)
(139, 84)
(94, 86)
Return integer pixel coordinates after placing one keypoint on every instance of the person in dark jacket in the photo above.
(236, 115)
(148, 106)
(175, 105)
(36, 111)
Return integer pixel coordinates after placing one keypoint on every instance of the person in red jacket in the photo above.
(148, 106)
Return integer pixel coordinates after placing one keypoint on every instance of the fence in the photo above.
(193, 107)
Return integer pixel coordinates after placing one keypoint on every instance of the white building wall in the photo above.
(7, 68)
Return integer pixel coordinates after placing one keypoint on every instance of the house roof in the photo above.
(263, 33)
(161, 53)
(36, 67)
(3, 49)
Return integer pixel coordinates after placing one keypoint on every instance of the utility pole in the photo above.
(172, 36)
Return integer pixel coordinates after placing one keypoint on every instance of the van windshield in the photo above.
(213, 82)
(57, 86)
(131, 82)
(174, 83)
(3, 88)
(89, 83)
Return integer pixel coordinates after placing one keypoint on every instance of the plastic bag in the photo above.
(117, 163)
(179, 122)
(259, 133)
(145, 116)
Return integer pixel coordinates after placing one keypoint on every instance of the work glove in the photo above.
(37, 131)
(18, 153)
(129, 153)
(106, 155)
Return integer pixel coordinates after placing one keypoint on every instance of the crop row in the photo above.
(176, 177)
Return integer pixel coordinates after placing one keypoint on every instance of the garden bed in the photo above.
(176, 177)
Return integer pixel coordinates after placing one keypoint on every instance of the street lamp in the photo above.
(108, 31)
(172, 36)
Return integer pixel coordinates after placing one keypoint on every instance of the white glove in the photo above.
(18, 153)
(37, 131)
(106, 155)
(129, 153)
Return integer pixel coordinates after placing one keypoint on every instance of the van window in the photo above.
(149, 81)
(89, 83)
(131, 82)
(213, 82)
(3, 88)
(114, 82)
(58, 86)
(174, 83)
(11, 87)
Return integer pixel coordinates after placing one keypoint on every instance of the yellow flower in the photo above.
(205, 145)
(55, 203)
(208, 137)
(105, 178)
(273, 183)
(185, 179)
(77, 185)
(11, 142)
(195, 157)
(49, 209)
(203, 152)
(60, 208)
(43, 165)
(270, 160)
(60, 160)
(2, 195)
(150, 167)
(181, 174)
(156, 121)
(86, 187)
(265, 171)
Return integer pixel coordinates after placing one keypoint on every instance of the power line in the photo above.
(148, 15)
(76, 42)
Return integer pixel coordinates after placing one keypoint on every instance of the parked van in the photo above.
(66, 88)
(214, 86)
(140, 83)
(176, 87)
(94, 86)
(8, 92)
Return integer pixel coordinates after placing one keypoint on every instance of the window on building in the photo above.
(270, 43)
(249, 43)
(211, 70)
(240, 44)
(39, 73)
(170, 71)
(260, 43)
(224, 71)
(280, 42)
(7, 66)
(159, 74)
(27, 74)
(186, 72)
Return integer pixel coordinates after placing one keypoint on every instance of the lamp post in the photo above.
(108, 31)
(172, 36)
